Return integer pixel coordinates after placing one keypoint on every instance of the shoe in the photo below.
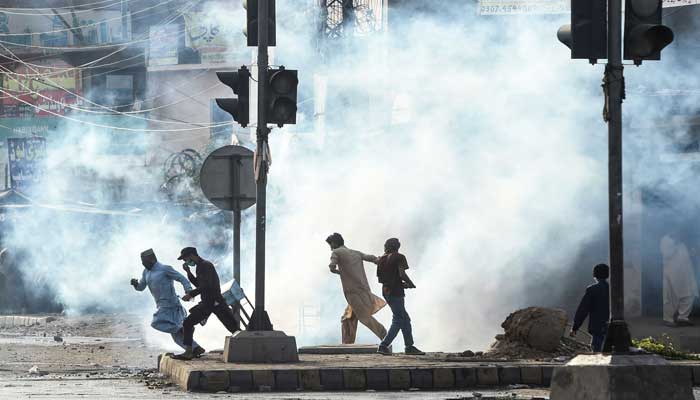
(384, 350)
(198, 352)
(684, 322)
(413, 351)
(187, 355)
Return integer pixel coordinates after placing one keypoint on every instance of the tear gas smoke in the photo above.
(473, 139)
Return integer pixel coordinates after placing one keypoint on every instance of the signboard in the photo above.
(227, 178)
(163, 44)
(215, 42)
(47, 94)
(35, 28)
(25, 159)
(505, 7)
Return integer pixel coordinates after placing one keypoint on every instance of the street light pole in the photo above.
(618, 337)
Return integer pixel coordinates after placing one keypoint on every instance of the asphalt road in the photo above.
(130, 388)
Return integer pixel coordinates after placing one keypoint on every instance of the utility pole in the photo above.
(618, 338)
(260, 320)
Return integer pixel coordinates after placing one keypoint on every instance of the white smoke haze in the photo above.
(491, 171)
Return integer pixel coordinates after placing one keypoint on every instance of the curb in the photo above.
(188, 377)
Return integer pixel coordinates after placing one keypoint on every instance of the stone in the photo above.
(547, 373)
(531, 375)
(214, 381)
(240, 381)
(443, 378)
(621, 377)
(263, 378)
(286, 381)
(465, 377)
(539, 327)
(487, 376)
(354, 379)
(310, 379)
(509, 375)
(399, 379)
(377, 379)
(332, 379)
(422, 378)
(260, 347)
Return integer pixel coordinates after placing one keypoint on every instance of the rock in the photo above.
(468, 353)
(34, 370)
(538, 327)
(57, 338)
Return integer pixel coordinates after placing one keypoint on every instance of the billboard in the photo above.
(50, 94)
(163, 45)
(25, 160)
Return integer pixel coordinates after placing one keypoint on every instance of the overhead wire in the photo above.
(88, 111)
(111, 111)
(121, 128)
(165, 21)
(131, 14)
(179, 13)
(69, 9)
(49, 8)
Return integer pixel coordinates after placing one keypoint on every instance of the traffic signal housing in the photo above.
(282, 96)
(587, 36)
(645, 36)
(239, 108)
(251, 29)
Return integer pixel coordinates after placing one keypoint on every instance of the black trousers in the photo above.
(199, 313)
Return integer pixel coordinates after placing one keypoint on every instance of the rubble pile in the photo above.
(535, 333)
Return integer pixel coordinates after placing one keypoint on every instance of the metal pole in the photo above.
(618, 337)
(237, 245)
(260, 316)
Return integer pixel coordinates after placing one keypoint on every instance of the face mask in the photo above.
(191, 263)
(147, 264)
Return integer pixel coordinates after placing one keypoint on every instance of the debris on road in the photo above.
(535, 333)
(34, 371)
(57, 338)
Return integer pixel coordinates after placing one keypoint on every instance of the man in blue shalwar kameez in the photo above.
(170, 314)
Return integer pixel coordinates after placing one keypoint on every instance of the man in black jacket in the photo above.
(595, 305)
(208, 286)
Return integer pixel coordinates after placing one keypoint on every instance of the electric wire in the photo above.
(163, 2)
(121, 128)
(49, 8)
(179, 13)
(70, 9)
(112, 111)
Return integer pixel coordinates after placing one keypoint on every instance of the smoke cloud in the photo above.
(475, 140)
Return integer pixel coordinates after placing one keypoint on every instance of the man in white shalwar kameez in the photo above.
(680, 288)
(362, 303)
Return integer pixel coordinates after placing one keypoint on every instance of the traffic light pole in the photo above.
(618, 337)
(259, 320)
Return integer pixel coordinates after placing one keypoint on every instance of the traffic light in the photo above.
(645, 37)
(251, 30)
(239, 82)
(587, 36)
(282, 96)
